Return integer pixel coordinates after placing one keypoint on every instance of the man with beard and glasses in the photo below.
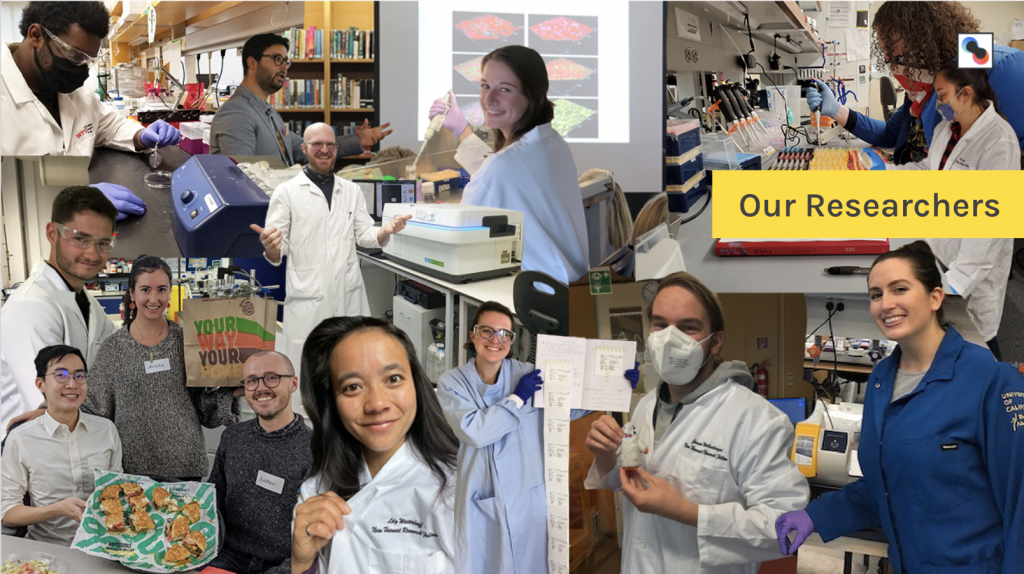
(47, 108)
(52, 306)
(259, 467)
(246, 125)
(316, 219)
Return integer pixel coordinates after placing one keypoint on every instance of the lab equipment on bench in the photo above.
(379, 193)
(456, 242)
(658, 254)
(415, 320)
(214, 202)
(825, 447)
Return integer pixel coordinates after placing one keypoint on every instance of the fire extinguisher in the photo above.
(762, 379)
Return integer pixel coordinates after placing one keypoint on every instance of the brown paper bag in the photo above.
(220, 334)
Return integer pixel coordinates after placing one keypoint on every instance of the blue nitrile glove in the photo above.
(877, 163)
(528, 384)
(798, 521)
(633, 375)
(126, 202)
(454, 121)
(159, 134)
(821, 95)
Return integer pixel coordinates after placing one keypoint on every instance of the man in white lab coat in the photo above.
(718, 465)
(45, 106)
(52, 306)
(316, 219)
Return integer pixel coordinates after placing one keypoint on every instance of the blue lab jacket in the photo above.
(500, 500)
(943, 466)
(1006, 78)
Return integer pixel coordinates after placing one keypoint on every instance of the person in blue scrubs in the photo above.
(942, 440)
(914, 40)
(500, 501)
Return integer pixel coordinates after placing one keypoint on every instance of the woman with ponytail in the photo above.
(530, 168)
(138, 382)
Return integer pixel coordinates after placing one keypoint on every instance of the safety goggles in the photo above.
(84, 241)
(62, 376)
(488, 333)
(74, 55)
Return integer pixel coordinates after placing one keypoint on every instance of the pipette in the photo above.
(435, 126)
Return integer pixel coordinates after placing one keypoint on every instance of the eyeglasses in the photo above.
(271, 380)
(63, 375)
(84, 241)
(316, 146)
(488, 333)
(74, 55)
(278, 59)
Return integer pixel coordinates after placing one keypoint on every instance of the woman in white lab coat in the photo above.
(982, 138)
(530, 169)
(379, 495)
(718, 465)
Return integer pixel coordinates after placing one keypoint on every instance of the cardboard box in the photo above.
(1019, 44)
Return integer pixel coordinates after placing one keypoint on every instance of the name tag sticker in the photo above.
(157, 366)
(270, 482)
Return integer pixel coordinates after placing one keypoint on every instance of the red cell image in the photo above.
(561, 29)
(487, 27)
(562, 69)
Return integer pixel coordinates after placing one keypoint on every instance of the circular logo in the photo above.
(979, 54)
(247, 307)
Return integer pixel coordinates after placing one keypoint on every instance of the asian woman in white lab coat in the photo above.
(974, 134)
(379, 495)
(530, 169)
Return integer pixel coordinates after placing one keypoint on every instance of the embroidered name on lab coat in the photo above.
(951, 446)
(403, 526)
(1014, 403)
(706, 449)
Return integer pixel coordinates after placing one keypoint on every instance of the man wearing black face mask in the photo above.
(46, 107)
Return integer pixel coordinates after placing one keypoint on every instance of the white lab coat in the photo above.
(398, 525)
(323, 278)
(42, 312)
(978, 270)
(990, 144)
(740, 498)
(29, 129)
(537, 176)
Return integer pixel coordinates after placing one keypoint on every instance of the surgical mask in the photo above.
(947, 109)
(63, 76)
(677, 358)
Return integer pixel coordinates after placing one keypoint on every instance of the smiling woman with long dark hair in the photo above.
(381, 486)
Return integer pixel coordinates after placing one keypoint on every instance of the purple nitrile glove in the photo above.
(126, 202)
(877, 163)
(159, 134)
(798, 521)
(633, 375)
(454, 121)
(528, 384)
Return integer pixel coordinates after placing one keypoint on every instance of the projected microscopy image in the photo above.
(471, 109)
(466, 73)
(576, 118)
(554, 34)
(573, 76)
(476, 32)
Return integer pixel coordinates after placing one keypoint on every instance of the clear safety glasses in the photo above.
(488, 333)
(74, 55)
(84, 241)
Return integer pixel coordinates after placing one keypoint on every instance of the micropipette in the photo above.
(435, 126)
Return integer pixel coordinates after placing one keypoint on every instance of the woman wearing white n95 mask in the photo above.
(717, 466)
(530, 168)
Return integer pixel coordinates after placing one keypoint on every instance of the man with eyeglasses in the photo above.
(246, 125)
(46, 107)
(259, 467)
(913, 58)
(52, 457)
(52, 306)
(316, 219)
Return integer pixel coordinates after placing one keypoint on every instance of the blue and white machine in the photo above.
(455, 242)
(214, 203)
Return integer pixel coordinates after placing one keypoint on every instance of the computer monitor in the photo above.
(795, 409)
(378, 193)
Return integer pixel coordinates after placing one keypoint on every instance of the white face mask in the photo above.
(676, 357)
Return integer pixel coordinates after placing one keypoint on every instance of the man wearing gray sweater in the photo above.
(259, 467)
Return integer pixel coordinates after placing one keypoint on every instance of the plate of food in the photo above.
(147, 525)
(33, 563)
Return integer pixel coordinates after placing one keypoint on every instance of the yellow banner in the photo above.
(894, 204)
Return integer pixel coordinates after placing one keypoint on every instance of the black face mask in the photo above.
(63, 76)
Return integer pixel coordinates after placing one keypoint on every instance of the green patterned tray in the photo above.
(145, 550)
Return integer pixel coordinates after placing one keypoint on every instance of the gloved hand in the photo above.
(159, 134)
(528, 384)
(633, 375)
(798, 521)
(877, 163)
(126, 202)
(821, 95)
(454, 121)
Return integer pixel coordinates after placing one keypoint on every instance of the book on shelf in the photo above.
(350, 93)
(352, 44)
(297, 93)
(305, 44)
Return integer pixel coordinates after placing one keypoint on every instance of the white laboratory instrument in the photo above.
(414, 320)
(456, 242)
(837, 444)
(658, 254)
